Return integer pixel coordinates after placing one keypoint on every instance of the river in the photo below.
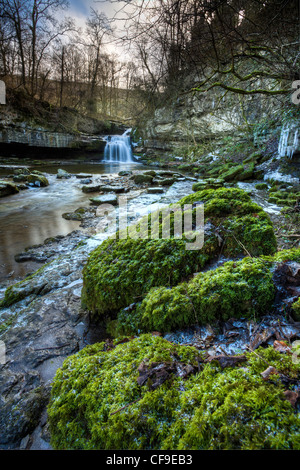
(35, 214)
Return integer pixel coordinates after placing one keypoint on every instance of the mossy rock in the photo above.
(247, 174)
(98, 403)
(122, 271)
(7, 189)
(209, 183)
(243, 289)
(261, 186)
(142, 179)
(37, 180)
(119, 272)
(233, 173)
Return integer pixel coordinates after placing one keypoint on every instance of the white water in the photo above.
(288, 142)
(118, 148)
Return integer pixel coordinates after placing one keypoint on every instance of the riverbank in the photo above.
(47, 323)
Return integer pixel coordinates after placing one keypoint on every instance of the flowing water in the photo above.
(118, 148)
(32, 215)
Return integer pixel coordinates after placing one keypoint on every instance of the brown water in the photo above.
(32, 215)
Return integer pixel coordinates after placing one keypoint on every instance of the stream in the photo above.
(35, 214)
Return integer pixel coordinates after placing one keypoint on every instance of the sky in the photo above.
(80, 10)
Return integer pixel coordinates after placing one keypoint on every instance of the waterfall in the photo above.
(118, 148)
(288, 142)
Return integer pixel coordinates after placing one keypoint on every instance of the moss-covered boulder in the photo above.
(120, 272)
(150, 394)
(233, 173)
(234, 290)
(237, 289)
(37, 180)
(209, 183)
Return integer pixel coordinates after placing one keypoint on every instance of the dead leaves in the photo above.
(292, 397)
(282, 347)
(226, 361)
(156, 373)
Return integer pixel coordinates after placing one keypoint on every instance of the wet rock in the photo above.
(37, 180)
(155, 190)
(83, 175)
(86, 181)
(91, 189)
(167, 181)
(125, 173)
(22, 187)
(115, 189)
(105, 199)
(150, 172)
(20, 178)
(6, 188)
(62, 174)
(142, 179)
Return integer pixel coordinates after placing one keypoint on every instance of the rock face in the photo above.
(29, 123)
(45, 330)
(198, 118)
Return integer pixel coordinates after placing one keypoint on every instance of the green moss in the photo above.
(261, 186)
(121, 272)
(97, 403)
(233, 173)
(236, 289)
(22, 289)
(296, 310)
(37, 180)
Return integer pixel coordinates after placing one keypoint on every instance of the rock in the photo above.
(83, 175)
(22, 187)
(115, 189)
(62, 174)
(150, 172)
(155, 190)
(77, 215)
(37, 180)
(141, 179)
(20, 178)
(91, 189)
(105, 199)
(86, 181)
(125, 173)
(167, 181)
(21, 171)
(231, 174)
(6, 188)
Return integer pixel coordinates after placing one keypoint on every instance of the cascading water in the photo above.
(118, 148)
(288, 142)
